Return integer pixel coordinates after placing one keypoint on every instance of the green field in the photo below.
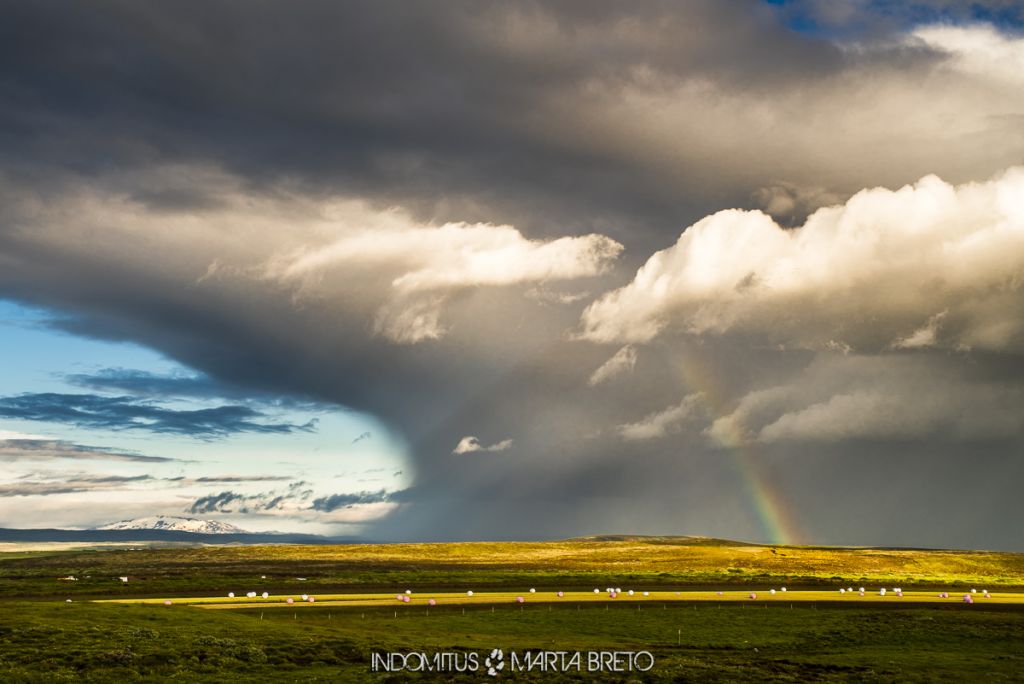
(122, 631)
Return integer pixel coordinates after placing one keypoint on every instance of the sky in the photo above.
(488, 270)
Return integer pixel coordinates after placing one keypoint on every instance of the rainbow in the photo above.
(767, 505)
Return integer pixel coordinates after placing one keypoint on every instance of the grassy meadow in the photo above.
(812, 634)
(568, 565)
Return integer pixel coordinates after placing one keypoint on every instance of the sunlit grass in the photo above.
(653, 564)
(356, 600)
(810, 632)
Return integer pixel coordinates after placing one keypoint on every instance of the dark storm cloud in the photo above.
(530, 113)
(465, 110)
(46, 449)
(126, 413)
(471, 109)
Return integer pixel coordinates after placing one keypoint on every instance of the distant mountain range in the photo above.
(178, 524)
(166, 528)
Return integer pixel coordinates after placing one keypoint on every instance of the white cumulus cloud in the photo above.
(623, 361)
(929, 264)
(979, 50)
(660, 423)
(470, 444)
(419, 265)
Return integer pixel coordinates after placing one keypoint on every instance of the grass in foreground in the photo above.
(47, 642)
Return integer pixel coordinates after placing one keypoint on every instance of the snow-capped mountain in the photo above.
(170, 522)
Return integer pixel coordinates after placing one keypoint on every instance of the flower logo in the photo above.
(495, 662)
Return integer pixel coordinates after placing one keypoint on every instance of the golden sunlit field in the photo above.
(691, 608)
